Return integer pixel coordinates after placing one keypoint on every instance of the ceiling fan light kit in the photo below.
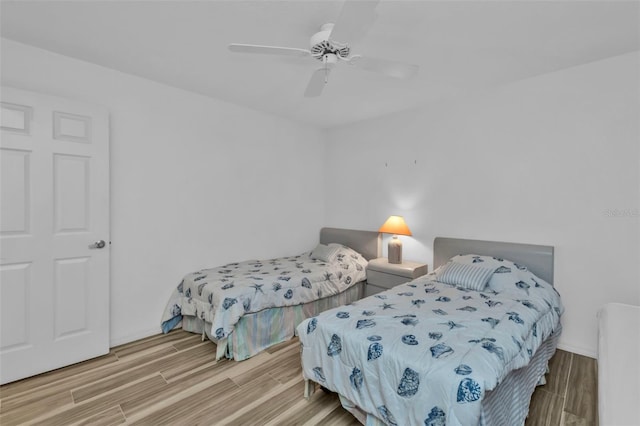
(321, 45)
(355, 14)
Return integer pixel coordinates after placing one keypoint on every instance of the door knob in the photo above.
(98, 245)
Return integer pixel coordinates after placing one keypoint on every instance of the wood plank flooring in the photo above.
(174, 379)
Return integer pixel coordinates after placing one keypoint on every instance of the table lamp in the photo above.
(395, 225)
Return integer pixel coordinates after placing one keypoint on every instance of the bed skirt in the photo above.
(507, 404)
(257, 331)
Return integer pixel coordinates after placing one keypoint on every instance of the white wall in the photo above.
(195, 182)
(542, 161)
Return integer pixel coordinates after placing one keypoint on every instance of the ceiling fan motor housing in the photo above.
(321, 46)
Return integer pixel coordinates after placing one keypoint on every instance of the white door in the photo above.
(54, 207)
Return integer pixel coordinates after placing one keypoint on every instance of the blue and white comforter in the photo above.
(224, 294)
(426, 352)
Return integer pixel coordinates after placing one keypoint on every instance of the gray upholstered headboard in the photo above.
(367, 243)
(538, 259)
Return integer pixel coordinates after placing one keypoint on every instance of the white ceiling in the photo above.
(460, 46)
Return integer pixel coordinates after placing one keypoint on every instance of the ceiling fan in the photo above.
(329, 46)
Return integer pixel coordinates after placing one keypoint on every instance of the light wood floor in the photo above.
(172, 379)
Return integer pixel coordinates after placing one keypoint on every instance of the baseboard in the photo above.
(578, 350)
(117, 341)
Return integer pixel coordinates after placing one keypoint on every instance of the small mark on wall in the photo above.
(386, 163)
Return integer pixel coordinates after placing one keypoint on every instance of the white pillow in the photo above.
(346, 251)
(324, 253)
(514, 277)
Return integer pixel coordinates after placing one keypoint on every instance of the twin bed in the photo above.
(466, 344)
(248, 306)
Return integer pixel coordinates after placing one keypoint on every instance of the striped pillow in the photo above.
(325, 253)
(473, 277)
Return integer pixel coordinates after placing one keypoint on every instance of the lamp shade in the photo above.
(395, 225)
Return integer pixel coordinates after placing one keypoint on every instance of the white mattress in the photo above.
(618, 369)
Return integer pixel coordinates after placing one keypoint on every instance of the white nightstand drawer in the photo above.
(370, 289)
(384, 280)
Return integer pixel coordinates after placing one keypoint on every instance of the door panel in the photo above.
(15, 183)
(70, 308)
(71, 193)
(15, 282)
(54, 200)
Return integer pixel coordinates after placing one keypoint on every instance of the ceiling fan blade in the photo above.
(354, 21)
(317, 83)
(386, 67)
(268, 50)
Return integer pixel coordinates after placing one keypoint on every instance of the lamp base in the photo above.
(395, 250)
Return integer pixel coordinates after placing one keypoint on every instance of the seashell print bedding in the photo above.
(225, 294)
(425, 352)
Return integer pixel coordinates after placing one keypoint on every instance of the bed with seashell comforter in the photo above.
(464, 345)
(245, 307)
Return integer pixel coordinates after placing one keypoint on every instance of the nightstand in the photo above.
(382, 275)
